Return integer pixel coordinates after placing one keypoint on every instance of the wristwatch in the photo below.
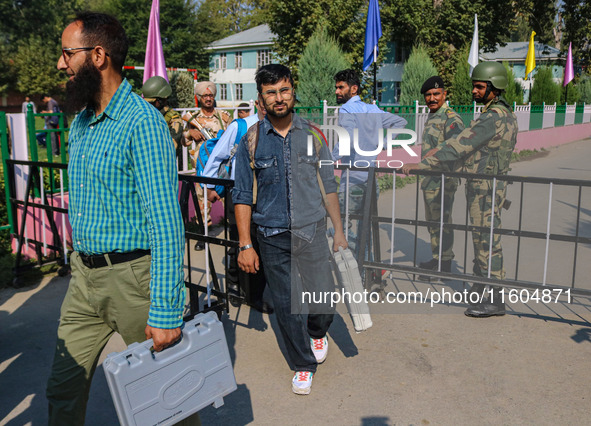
(246, 247)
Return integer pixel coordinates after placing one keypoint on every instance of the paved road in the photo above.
(415, 366)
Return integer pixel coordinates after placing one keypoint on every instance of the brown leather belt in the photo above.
(99, 260)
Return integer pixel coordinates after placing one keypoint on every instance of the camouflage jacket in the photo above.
(175, 125)
(485, 147)
(441, 125)
(214, 123)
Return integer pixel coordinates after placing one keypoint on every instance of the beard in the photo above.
(82, 91)
(343, 99)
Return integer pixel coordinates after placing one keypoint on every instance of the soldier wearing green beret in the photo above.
(485, 147)
(443, 123)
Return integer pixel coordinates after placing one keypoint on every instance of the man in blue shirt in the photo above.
(275, 164)
(369, 121)
(252, 286)
(127, 231)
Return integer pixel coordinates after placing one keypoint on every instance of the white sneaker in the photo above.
(302, 382)
(320, 348)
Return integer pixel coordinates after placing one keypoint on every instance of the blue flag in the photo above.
(373, 32)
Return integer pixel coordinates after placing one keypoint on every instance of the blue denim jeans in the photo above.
(285, 258)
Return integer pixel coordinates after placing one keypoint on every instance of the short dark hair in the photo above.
(244, 105)
(349, 76)
(271, 74)
(100, 29)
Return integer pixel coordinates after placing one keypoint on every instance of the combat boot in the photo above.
(489, 308)
(433, 265)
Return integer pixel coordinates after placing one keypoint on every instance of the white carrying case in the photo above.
(162, 388)
(351, 282)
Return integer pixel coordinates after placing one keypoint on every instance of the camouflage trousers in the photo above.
(432, 200)
(479, 199)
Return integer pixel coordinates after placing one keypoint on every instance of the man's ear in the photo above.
(99, 57)
(354, 90)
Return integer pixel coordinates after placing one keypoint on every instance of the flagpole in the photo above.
(375, 73)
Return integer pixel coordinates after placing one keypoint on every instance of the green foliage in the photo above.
(460, 92)
(321, 60)
(385, 181)
(573, 93)
(514, 91)
(182, 89)
(584, 87)
(294, 23)
(544, 89)
(35, 66)
(576, 27)
(417, 69)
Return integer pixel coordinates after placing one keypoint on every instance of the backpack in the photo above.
(225, 168)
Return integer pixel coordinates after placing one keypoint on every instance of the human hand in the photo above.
(162, 337)
(339, 240)
(408, 167)
(248, 261)
(212, 196)
(196, 135)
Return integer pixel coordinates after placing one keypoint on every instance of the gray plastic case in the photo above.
(162, 388)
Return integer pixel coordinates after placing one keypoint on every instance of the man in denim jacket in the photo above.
(289, 212)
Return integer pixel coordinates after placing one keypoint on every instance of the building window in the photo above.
(222, 61)
(238, 60)
(263, 57)
(396, 92)
(238, 91)
(380, 89)
(216, 65)
(401, 54)
(223, 92)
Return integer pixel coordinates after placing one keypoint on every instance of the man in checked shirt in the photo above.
(127, 264)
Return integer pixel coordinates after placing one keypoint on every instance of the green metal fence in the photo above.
(560, 115)
(5, 176)
(536, 117)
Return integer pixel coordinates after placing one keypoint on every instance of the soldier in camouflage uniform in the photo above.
(156, 91)
(211, 119)
(485, 147)
(443, 123)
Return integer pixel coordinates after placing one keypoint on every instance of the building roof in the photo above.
(256, 36)
(517, 51)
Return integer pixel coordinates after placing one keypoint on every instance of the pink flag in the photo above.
(154, 63)
(569, 74)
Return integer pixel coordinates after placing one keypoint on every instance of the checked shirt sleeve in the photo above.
(157, 182)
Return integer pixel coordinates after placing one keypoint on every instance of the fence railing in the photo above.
(545, 240)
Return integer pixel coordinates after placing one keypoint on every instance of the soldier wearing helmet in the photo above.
(156, 91)
(485, 147)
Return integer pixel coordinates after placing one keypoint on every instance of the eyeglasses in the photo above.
(208, 95)
(68, 52)
(285, 92)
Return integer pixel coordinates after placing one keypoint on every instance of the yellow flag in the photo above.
(530, 60)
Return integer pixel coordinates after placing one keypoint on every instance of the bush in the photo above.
(182, 85)
(584, 87)
(514, 91)
(461, 90)
(321, 60)
(544, 89)
(417, 69)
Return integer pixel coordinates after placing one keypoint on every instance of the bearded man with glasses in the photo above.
(127, 231)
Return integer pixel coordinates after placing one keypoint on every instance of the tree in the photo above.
(514, 91)
(577, 29)
(181, 84)
(35, 68)
(573, 93)
(460, 92)
(585, 89)
(294, 23)
(417, 69)
(544, 89)
(321, 60)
